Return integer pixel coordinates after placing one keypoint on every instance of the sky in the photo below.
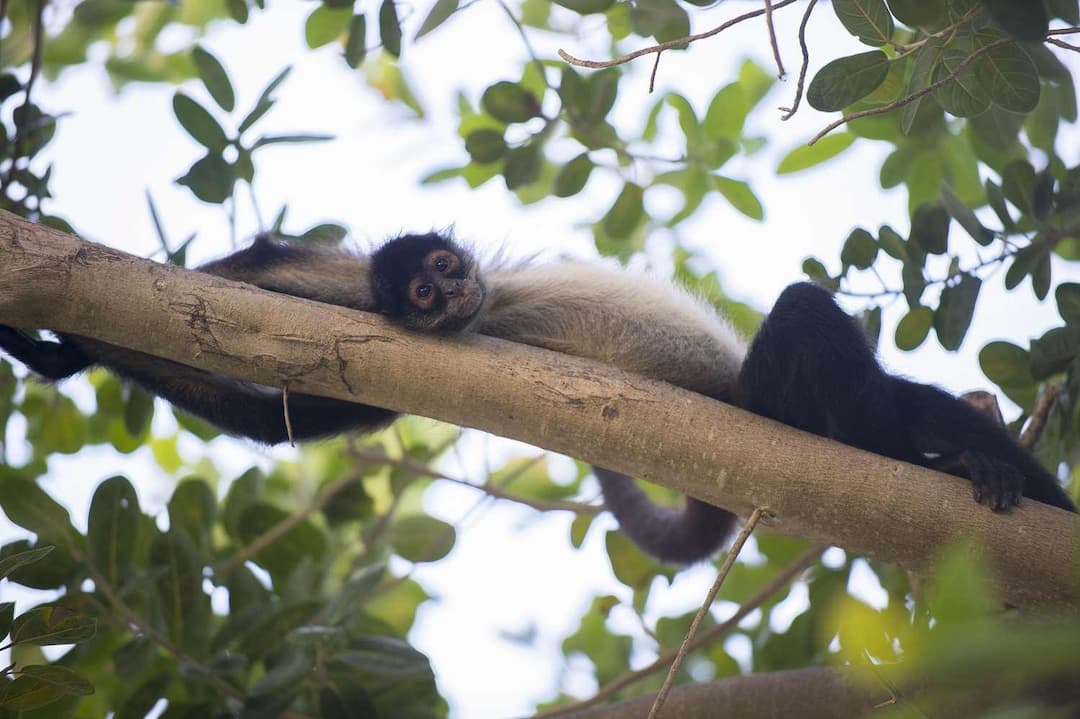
(512, 571)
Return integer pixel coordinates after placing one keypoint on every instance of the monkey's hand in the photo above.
(995, 483)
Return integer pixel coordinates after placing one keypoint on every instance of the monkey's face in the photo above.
(427, 283)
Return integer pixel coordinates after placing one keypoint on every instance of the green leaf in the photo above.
(573, 176)
(214, 77)
(420, 538)
(52, 624)
(1010, 76)
(210, 179)
(112, 528)
(965, 216)
(286, 673)
(485, 146)
(860, 250)
(440, 13)
(1008, 366)
(26, 504)
(390, 28)
(383, 656)
(199, 123)
(1023, 19)
(963, 96)
(7, 613)
(626, 213)
(813, 269)
(324, 233)
(522, 166)
(356, 45)
(661, 19)
(238, 10)
(291, 139)
(193, 510)
(1067, 295)
(727, 113)
(805, 156)
(1054, 352)
(913, 328)
(302, 541)
(509, 102)
(1024, 263)
(631, 566)
(13, 562)
(996, 199)
(40, 685)
(868, 20)
(739, 194)
(930, 229)
(586, 7)
(918, 13)
(138, 410)
(579, 528)
(847, 79)
(955, 310)
(892, 243)
(183, 605)
(325, 25)
(1018, 183)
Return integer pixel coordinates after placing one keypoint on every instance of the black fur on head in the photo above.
(426, 282)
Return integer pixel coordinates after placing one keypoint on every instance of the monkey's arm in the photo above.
(1000, 469)
(52, 360)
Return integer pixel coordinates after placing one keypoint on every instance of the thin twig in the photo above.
(786, 576)
(279, 530)
(729, 562)
(670, 44)
(1064, 31)
(780, 71)
(1062, 43)
(960, 66)
(1039, 413)
(285, 411)
(790, 111)
(422, 469)
(652, 77)
(533, 57)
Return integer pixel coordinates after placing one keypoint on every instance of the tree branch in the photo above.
(810, 486)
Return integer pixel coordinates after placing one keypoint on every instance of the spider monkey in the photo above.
(809, 366)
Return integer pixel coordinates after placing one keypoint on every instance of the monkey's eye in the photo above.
(442, 264)
(424, 291)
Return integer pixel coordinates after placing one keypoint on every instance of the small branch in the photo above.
(533, 57)
(670, 44)
(680, 655)
(790, 111)
(423, 470)
(285, 412)
(960, 66)
(1064, 31)
(785, 577)
(780, 72)
(652, 77)
(1039, 413)
(1063, 44)
(279, 530)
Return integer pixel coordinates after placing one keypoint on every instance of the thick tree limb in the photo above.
(811, 487)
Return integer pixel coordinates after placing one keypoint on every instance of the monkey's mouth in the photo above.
(470, 301)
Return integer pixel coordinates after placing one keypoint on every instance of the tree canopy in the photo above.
(190, 574)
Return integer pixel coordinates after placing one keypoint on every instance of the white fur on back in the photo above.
(624, 318)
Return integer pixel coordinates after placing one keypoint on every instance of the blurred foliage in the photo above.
(268, 592)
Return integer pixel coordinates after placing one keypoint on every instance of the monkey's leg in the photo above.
(810, 366)
(52, 360)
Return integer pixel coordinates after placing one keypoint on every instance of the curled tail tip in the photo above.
(684, 535)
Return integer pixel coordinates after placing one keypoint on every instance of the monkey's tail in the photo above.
(693, 533)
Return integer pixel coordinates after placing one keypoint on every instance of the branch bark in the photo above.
(812, 487)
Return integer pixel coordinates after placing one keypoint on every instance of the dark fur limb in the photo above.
(691, 534)
(811, 367)
(51, 360)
